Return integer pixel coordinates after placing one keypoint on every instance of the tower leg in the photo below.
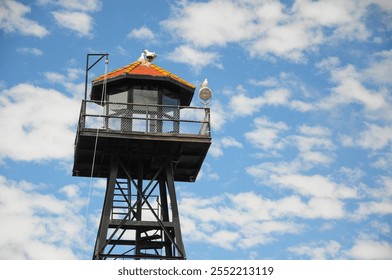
(175, 213)
(139, 224)
(107, 207)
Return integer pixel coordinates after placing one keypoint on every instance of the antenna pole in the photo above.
(88, 67)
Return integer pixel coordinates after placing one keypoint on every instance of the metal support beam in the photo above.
(175, 213)
(139, 224)
(88, 67)
(107, 208)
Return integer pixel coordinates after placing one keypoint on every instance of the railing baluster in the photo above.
(146, 119)
(190, 120)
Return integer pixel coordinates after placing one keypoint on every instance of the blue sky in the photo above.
(301, 160)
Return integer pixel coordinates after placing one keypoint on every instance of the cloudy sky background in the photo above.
(301, 160)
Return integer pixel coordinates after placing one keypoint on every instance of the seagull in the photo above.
(150, 56)
(142, 57)
(204, 83)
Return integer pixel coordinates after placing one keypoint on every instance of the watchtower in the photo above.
(139, 132)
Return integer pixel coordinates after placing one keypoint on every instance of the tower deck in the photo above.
(152, 134)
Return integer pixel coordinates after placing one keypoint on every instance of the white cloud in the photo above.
(349, 89)
(313, 149)
(383, 207)
(218, 115)
(230, 142)
(80, 22)
(243, 105)
(314, 130)
(266, 134)
(264, 170)
(343, 17)
(268, 82)
(329, 63)
(142, 33)
(247, 219)
(315, 186)
(13, 19)
(282, 94)
(362, 249)
(268, 28)
(205, 24)
(33, 51)
(318, 251)
(239, 221)
(79, 5)
(374, 137)
(38, 123)
(68, 81)
(218, 145)
(194, 57)
(380, 68)
(370, 250)
(71, 191)
(384, 161)
(216, 149)
(39, 226)
(366, 87)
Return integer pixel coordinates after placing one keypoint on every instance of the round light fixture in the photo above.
(205, 94)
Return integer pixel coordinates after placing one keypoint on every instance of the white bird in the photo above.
(204, 83)
(150, 56)
(142, 57)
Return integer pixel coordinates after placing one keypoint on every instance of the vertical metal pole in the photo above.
(139, 206)
(176, 216)
(107, 207)
(165, 214)
(86, 79)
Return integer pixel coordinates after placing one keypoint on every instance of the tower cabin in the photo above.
(142, 111)
(139, 132)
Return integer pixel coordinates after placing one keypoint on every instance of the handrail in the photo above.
(149, 119)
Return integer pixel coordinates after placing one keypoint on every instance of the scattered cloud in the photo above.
(349, 89)
(68, 81)
(218, 145)
(196, 58)
(39, 226)
(366, 87)
(365, 249)
(79, 5)
(32, 51)
(74, 14)
(204, 24)
(13, 19)
(362, 249)
(27, 121)
(269, 29)
(242, 105)
(143, 33)
(266, 134)
(244, 220)
(314, 186)
(229, 141)
(379, 67)
(318, 251)
(374, 137)
(80, 22)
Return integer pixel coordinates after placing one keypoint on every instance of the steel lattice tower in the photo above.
(139, 132)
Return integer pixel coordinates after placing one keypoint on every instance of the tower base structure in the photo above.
(140, 218)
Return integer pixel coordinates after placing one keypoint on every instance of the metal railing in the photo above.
(147, 119)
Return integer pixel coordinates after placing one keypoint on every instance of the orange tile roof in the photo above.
(140, 68)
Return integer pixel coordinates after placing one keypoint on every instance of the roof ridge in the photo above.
(133, 65)
(127, 69)
(171, 75)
